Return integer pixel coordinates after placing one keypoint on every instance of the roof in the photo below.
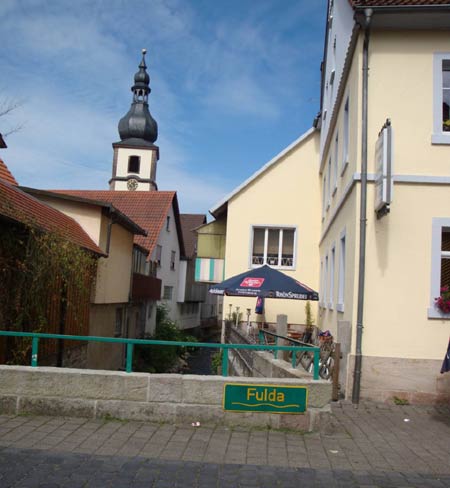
(397, 3)
(109, 209)
(148, 209)
(20, 207)
(6, 175)
(220, 206)
(189, 222)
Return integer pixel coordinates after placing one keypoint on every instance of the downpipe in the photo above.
(363, 211)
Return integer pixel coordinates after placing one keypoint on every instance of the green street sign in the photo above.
(238, 397)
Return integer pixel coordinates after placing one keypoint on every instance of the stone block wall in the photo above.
(170, 398)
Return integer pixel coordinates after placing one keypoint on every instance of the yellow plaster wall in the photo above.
(89, 217)
(398, 270)
(286, 194)
(114, 272)
(401, 88)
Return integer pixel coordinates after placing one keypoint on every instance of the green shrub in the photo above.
(160, 359)
(216, 362)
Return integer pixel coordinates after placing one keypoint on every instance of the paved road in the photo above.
(368, 447)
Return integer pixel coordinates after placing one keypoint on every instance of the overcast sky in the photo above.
(233, 83)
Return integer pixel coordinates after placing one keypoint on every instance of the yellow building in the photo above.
(266, 221)
(377, 239)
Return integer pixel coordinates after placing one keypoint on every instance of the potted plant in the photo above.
(443, 301)
(309, 319)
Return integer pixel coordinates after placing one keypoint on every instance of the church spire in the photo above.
(138, 124)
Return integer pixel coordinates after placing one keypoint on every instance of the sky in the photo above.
(233, 83)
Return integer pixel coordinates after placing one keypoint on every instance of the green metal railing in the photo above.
(301, 346)
(130, 343)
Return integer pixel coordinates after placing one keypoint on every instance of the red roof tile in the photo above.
(148, 209)
(6, 175)
(188, 223)
(396, 3)
(19, 206)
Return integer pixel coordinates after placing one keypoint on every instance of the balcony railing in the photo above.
(146, 287)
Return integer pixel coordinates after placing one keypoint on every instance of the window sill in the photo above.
(344, 167)
(340, 307)
(440, 138)
(330, 306)
(434, 313)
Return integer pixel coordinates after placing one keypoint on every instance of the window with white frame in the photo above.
(329, 184)
(441, 104)
(341, 281)
(158, 254)
(440, 263)
(168, 293)
(335, 162)
(273, 246)
(321, 284)
(172, 260)
(346, 136)
(325, 282)
(331, 279)
(324, 195)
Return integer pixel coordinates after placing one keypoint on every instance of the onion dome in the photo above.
(138, 123)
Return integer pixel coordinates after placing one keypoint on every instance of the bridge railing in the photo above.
(130, 343)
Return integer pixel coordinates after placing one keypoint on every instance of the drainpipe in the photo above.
(363, 211)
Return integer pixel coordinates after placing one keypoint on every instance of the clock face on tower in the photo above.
(132, 184)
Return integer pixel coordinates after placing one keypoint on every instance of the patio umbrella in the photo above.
(264, 282)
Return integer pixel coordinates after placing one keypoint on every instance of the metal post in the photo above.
(261, 336)
(316, 363)
(34, 351)
(363, 212)
(294, 357)
(129, 367)
(225, 361)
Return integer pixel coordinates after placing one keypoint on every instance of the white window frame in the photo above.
(331, 278)
(321, 284)
(438, 224)
(335, 163)
(173, 256)
(280, 245)
(438, 136)
(341, 280)
(169, 290)
(346, 135)
(329, 184)
(324, 195)
(325, 281)
(158, 255)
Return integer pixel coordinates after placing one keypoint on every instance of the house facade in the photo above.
(282, 233)
(115, 307)
(384, 88)
(379, 201)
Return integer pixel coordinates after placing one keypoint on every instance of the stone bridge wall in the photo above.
(170, 398)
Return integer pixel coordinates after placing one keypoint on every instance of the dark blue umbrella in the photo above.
(264, 282)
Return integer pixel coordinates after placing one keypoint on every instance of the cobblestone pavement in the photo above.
(374, 445)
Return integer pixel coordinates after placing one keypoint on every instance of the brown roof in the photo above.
(188, 223)
(19, 206)
(396, 3)
(148, 209)
(6, 175)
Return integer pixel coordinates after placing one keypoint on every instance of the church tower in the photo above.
(136, 155)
